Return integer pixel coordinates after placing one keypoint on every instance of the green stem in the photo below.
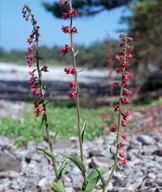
(44, 108)
(77, 92)
(117, 138)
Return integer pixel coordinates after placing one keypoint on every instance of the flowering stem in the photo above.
(122, 116)
(44, 107)
(77, 90)
(37, 86)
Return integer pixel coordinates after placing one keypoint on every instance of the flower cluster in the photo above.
(124, 57)
(71, 71)
(69, 14)
(32, 57)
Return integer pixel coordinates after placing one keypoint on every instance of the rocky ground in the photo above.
(28, 170)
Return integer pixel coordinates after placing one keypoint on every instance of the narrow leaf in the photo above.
(62, 169)
(77, 161)
(101, 177)
(54, 139)
(90, 185)
(83, 130)
(58, 186)
(76, 53)
(42, 121)
(48, 153)
(118, 168)
(92, 179)
(78, 90)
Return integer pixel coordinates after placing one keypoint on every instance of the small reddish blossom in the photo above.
(30, 40)
(121, 144)
(130, 39)
(73, 71)
(130, 75)
(30, 49)
(31, 73)
(30, 56)
(128, 92)
(122, 44)
(123, 123)
(36, 104)
(72, 95)
(121, 154)
(74, 30)
(75, 12)
(66, 29)
(29, 63)
(113, 129)
(45, 68)
(34, 21)
(36, 91)
(72, 85)
(38, 111)
(115, 84)
(66, 49)
(125, 161)
(36, 29)
(62, 2)
(124, 135)
(129, 56)
(68, 14)
(67, 70)
(116, 108)
(123, 53)
(131, 48)
(117, 57)
(126, 101)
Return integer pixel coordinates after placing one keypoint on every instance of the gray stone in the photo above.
(69, 189)
(9, 162)
(100, 161)
(146, 140)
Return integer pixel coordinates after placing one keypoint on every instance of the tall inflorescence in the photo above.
(36, 85)
(123, 71)
(69, 14)
(35, 74)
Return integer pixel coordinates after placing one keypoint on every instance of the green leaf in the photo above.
(77, 161)
(76, 53)
(58, 186)
(83, 129)
(78, 89)
(48, 153)
(62, 169)
(43, 120)
(101, 177)
(43, 92)
(93, 178)
(118, 169)
(54, 139)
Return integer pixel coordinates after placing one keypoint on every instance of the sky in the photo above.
(14, 30)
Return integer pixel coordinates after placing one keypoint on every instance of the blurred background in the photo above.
(99, 26)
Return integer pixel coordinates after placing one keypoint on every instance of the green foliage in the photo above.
(77, 161)
(85, 7)
(93, 178)
(58, 186)
(145, 27)
(62, 169)
(48, 153)
(89, 57)
(61, 120)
